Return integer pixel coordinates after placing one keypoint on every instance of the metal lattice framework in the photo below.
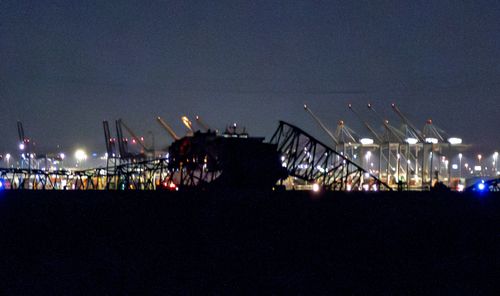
(131, 175)
(16, 178)
(310, 160)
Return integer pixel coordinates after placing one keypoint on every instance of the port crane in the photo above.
(135, 138)
(323, 126)
(367, 125)
(202, 124)
(407, 122)
(169, 130)
(109, 141)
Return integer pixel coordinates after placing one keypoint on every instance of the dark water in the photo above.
(228, 242)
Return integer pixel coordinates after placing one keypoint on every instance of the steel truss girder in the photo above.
(310, 160)
(143, 175)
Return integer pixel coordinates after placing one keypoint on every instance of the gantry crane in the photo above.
(169, 130)
(378, 138)
(407, 122)
(122, 141)
(203, 125)
(109, 141)
(135, 138)
(394, 140)
(187, 123)
(344, 134)
(320, 123)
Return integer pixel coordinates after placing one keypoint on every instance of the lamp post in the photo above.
(368, 155)
(495, 162)
(7, 157)
(62, 156)
(80, 156)
(21, 150)
(479, 156)
(460, 167)
(398, 156)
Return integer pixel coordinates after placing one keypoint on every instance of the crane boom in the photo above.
(187, 123)
(134, 136)
(318, 121)
(201, 123)
(366, 124)
(20, 132)
(407, 122)
(388, 127)
(167, 128)
(122, 142)
(108, 139)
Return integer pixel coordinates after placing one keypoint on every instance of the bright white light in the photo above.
(80, 155)
(7, 156)
(477, 168)
(315, 187)
(431, 140)
(455, 141)
(411, 141)
(481, 186)
(454, 166)
(62, 156)
(366, 141)
(21, 146)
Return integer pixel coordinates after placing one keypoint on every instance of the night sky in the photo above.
(67, 65)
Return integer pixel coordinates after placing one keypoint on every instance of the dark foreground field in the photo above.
(119, 243)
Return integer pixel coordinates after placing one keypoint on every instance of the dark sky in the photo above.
(67, 65)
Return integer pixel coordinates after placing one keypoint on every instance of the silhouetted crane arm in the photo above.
(187, 123)
(366, 124)
(107, 136)
(318, 121)
(386, 124)
(20, 132)
(134, 136)
(169, 130)
(407, 122)
(201, 123)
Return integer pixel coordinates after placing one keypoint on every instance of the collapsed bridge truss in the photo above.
(142, 175)
(308, 159)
